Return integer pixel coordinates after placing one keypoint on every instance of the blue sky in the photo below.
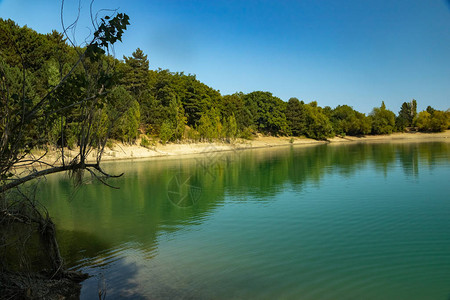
(354, 52)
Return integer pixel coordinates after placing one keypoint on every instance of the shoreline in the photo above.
(121, 151)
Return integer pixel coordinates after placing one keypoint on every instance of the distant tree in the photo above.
(430, 110)
(296, 116)
(407, 115)
(152, 112)
(160, 101)
(230, 128)
(383, 120)
(167, 131)
(179, 118)
(318, 126)
(267, 112)
(327, 111)
(343, 118)
(440, 121)
(135, 72)
(210, 126)
(363, 124)
(123, 114)
(423, 121)
(233, 105)
(347, 121)
(436, 121)
(52, 74)
(197, 98)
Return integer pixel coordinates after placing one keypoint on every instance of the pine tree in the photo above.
(136, 72)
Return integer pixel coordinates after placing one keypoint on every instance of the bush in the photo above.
(439, 121)
(109, 144)
(436, 121)
(247, 133)
(145, 142)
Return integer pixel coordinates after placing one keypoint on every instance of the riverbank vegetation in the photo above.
(174, 106)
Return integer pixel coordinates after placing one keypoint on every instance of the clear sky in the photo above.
(355, 52)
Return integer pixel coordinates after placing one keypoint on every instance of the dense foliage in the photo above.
(60, 95)
(170, 106)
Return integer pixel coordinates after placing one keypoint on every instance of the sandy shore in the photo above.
(120, 151)
(396, 137)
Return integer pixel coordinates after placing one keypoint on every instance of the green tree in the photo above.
(124, 115)
(53, 75)
(197, 98)
(233, 105)
(436, 121)
(135, 72)
(205, 127)
(430, 110)
(407, 115)
(230, 128)
(423, 121)
(179, 118)
(347, 121)
(209, 126)
(267, 112)
(439, 121)
(318, 126)
(363, 124)
(152, 112)
(167, 131)
(296, 116)
(383, 120)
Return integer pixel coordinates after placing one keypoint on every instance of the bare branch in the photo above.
(98, 168)
(72, 25)
(101, 180)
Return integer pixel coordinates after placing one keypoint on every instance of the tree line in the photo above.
(173, 106)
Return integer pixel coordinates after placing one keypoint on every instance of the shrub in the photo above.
(145, 142)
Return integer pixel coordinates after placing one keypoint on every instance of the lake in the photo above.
(349, 221)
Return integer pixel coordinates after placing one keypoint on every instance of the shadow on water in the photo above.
(77, 246)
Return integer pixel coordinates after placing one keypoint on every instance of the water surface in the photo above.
(354, 221)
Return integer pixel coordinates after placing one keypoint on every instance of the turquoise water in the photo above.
(354, 221)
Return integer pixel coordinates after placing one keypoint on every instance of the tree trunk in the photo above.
(48, 235)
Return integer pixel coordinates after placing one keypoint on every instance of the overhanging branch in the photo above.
(52, 170)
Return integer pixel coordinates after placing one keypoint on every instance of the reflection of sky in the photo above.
(336, 52)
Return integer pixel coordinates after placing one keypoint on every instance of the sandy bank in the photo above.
(120, 151)
(396, 137)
